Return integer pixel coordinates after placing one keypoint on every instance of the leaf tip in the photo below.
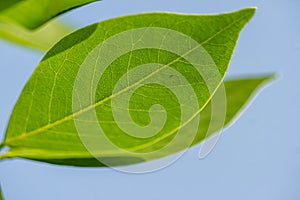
(249, 11)
(271, 77)
(244, 15)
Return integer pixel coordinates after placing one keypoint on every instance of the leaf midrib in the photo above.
(70, 117)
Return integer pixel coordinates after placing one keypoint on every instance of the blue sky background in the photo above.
(256, 158)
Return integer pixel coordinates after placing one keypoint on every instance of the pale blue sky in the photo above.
(256, 158)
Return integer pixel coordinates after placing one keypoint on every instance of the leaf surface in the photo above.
(34, 13)
(54, 122)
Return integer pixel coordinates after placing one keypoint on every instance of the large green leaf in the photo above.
(61, 108)
(34, 13)
(41, 39)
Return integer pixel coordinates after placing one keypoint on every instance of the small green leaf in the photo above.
(41, 39)
(34, 13)
(73, 109)
(1, 196)
(238, 93)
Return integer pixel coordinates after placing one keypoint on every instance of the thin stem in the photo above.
(2, 156)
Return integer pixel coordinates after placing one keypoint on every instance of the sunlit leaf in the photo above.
(70, 95)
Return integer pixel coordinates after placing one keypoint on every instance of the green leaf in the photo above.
(238, 93)
(34, 13)
(6, 4)
(1, 196)
(41, 39)
(67, 99)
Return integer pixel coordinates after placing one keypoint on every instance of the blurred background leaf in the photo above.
(18, 18)
(41, 39)
(1, 197)
(34, 13)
